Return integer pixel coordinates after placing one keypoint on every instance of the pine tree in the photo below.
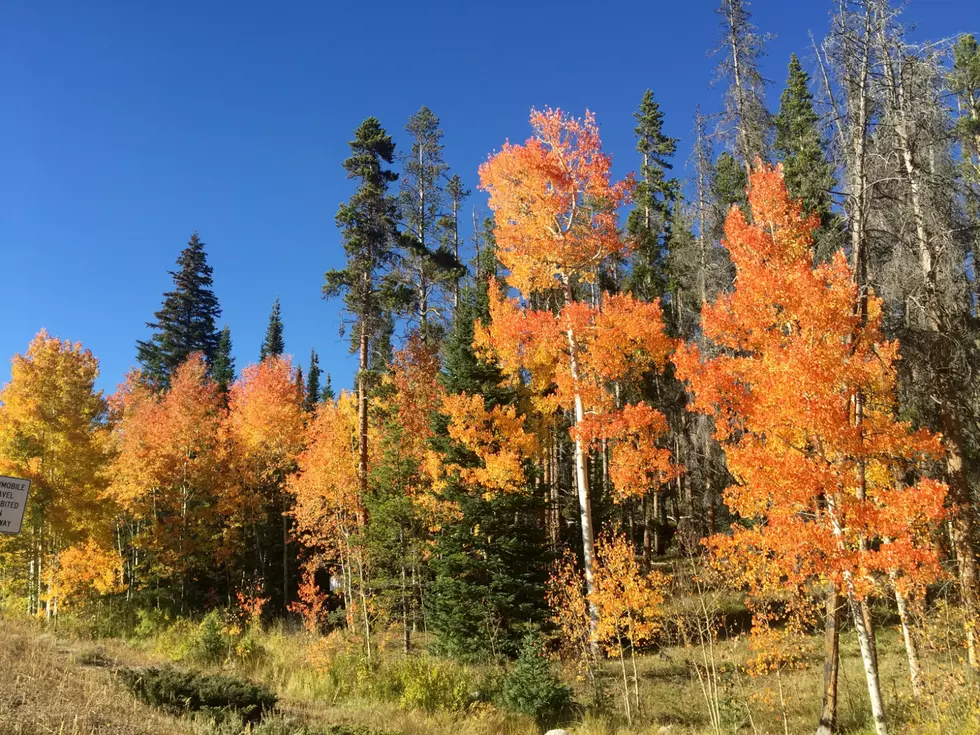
(649, 222)
(223, 367)
(370, 283)
(273, 343)
(313, 382)
(186, 322)
(808, 173)
(300, 380)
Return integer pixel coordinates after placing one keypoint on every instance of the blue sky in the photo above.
(125, 126)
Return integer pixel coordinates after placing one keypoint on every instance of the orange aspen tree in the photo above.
(554, 208)
(264, 433)
(168, 472)
(815, 486)
(52, 432)
(328, 510)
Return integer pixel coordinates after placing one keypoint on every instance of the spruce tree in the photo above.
(649, 222)
(369, 284)
(432, 267)
(273, 344)
(312, 382)
(489, 568)
(807, 171)
(223, 367)
(186, 321)
(327, 394)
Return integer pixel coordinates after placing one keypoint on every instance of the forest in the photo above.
(651, 454)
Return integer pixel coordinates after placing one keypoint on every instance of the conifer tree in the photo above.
(370, 283)
(745, 120)
(223, 367)
(273, 343)
(807, 171)
(488, 585)
(313, 382)
(649, 222)
(186, 322)
(432, 266)
(328, 392)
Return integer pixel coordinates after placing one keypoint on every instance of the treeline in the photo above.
(546, 408)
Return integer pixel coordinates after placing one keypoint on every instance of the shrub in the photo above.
(532, 687)
(150, 622)
(181, 691)
(432, 685)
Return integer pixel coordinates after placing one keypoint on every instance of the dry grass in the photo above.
(47, 686)
(67, 686)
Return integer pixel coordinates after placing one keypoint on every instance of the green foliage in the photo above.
(370, 282)
(649, 223)
(223, 367)
(180, 691)
(186, 321)
(313, 382)
(808, 174)
(532, 688)
(489, 566)
(433, 685)
(209, 644)
(273, 344)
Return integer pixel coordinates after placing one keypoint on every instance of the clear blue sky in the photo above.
(126, 125)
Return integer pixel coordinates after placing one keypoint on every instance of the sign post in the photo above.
(13, 503)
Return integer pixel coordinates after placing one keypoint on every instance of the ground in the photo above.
(53, 681)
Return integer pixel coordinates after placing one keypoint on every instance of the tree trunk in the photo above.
(831, 663)
(582, 483)
(867, 659)
(362, 424)
(911, 645)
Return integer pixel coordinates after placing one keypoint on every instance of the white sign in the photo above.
(13, 503)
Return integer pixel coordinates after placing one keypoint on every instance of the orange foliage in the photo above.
(498, 439)
(328, 496)
(793, 356)
(263, 434)
(169, 467)
(553, 203)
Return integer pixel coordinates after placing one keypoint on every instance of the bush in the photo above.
(431, 685)
(150, 622)
(532, 687)
(181, 691)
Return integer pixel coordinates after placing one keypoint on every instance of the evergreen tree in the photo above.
(328, 394)
(432, 267)
(186, 322)
(728, 186)
(649, 222)
(300, 380)
(369, 284)
(745, 121)
(489, 568)
(808, 174)
(223, 367)
(273, 343)
(313, 382)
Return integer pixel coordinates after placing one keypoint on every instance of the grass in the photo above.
(70, 685)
